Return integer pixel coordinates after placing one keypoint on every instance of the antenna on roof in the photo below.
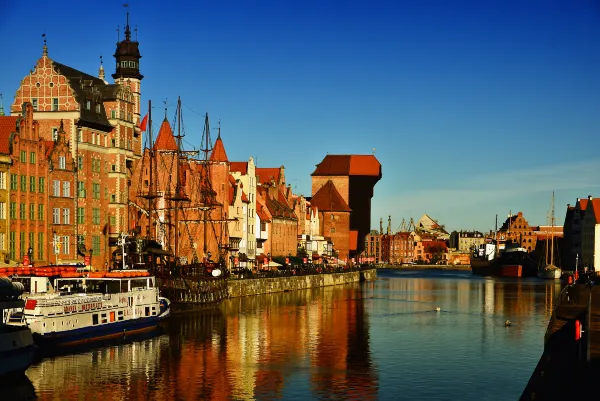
(1, 105)
(373, 150)
(136, 33)
(165, 102)
(118, 36)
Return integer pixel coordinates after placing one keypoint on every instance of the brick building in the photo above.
(516, 230)
(99, 121)
(354, 177)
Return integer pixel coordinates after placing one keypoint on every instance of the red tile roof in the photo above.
(596, 206)
(245, 198)
(239, 167)
(8, 125)
(364, 165)
(583, 203)
(265, 175)
(262, 212)
(218, 154)
(328, 199)
(428, 245)
(165, 139)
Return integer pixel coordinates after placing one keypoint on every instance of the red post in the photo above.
(577, 330)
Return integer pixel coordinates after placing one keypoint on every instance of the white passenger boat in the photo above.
(95, 306)
(16, 342)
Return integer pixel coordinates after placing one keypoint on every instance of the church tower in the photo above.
(127, 72)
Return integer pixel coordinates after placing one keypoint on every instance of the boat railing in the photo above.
(70, 300)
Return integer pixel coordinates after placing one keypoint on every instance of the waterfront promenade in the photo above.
(570, 363)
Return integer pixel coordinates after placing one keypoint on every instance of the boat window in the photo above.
(104, 318)
(95, 318)
(120, 315)
(124, 285)
(139, 283)
(147, 311)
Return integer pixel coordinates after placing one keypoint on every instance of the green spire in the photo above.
(1, 106)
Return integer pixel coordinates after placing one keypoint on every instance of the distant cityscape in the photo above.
(576, 242)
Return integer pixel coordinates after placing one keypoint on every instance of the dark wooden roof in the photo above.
(87, 87)
(328, 199)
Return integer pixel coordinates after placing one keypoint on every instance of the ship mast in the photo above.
(179, 195)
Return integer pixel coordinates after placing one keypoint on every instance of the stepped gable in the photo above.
(239, 167)
(88, 87)
(361, 165)
(328, 199)
(165, 139)
(8, 125)
(218, 154)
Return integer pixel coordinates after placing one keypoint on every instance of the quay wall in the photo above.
(243, 288)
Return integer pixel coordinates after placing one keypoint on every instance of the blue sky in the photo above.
(473, 108)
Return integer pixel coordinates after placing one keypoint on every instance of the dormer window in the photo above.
(124, 64)
(132, 64)
(88, 105)
(98, 108)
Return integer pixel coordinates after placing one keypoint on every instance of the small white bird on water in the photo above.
(507, 323)
(438, 309)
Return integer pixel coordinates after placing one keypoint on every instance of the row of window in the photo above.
(56, 214)
(34, 103)
(59, 245)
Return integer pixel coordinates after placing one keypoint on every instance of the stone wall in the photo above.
(242, 288)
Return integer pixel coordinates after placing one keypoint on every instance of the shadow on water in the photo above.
(17, 387)
(50, 352)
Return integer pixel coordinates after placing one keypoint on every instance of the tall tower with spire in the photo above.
(127, 70)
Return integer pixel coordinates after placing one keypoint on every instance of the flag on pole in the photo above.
(144, 123)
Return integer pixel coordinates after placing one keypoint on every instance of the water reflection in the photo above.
(367, 341)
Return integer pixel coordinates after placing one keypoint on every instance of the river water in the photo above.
(379, 340)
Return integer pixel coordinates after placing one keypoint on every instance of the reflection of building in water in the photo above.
(270, 337)
(101, 371)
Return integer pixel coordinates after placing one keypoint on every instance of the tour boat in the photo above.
(16, 342)
(91, 306)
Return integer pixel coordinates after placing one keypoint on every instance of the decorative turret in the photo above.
(101, 70)
(128, 57)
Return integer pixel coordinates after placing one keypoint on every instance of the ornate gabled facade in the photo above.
(99, 121)
(516, 229)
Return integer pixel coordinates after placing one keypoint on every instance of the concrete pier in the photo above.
(570, 363)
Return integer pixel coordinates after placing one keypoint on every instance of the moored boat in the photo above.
(95, 307)
(16, 342)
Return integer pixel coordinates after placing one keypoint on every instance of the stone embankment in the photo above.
(242, 288)
(417, 267)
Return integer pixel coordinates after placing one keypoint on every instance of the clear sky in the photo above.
(474, 108)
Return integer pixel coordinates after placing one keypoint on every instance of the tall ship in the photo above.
(179, 219)
(16, 342)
